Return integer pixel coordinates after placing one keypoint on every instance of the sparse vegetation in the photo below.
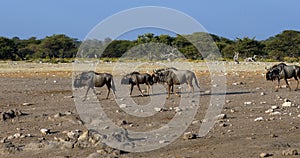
(60, 48)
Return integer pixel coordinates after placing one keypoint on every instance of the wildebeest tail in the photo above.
(113, 87)
(196, 81)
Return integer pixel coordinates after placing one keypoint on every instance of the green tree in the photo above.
(8, 49)
(59, 46)
(285, 44)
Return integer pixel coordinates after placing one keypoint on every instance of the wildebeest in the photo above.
(136, 78)
(283, 71)
(93, 79)
(173, 76)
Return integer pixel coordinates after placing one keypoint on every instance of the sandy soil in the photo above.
(46, 90)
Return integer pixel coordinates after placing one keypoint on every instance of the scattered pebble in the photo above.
(259, 119)
(123, 105)
(247, 103)
(290, 151)
(287, 104)
(261, 155)
(189, 135)
(45, 131)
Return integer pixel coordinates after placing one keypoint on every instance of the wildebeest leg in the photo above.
(176, 92)
(108, 89)
(191, 89)
(148, 88)
(87, 91)
(138, 85)
(169, 89)
(297, 82)
(131, 88)
(287, 83)
(278, 85)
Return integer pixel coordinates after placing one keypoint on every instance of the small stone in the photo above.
(247, 103)
(73, 134)
(17, 135)
(83, 136)
(228, 101)
(275, 113)
(68, 113)
(207, 92)
(195, 122)
(177, 109)
(290, 151)
(10, 137)
(45, 131)
(261, 155)
(221, 116)
(3, 140)
(27, 104)
(189, 135)
(262, 93)
(287, 104)
(163, 141)
(57, 115)
(269, 111)
(223, 125)
(274, 107)
(123, 105)
(69, 97)
(259, 119)
(158, 109)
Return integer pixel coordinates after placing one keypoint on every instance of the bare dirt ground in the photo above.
(36, 96)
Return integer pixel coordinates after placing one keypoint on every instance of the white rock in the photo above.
(123, 106)
(275, 113)
(157, 109)
(17, 135)
(207, 92)
(269, 111)
(27, 104)
(83, 136)
(248, 103)
(221, 116)
(162, 141)
(45, 131)
(259, 119)
(262, 93)
(274, 107)
(10, 137)
(287, 104)
(177, 109)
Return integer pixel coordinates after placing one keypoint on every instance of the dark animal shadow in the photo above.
(227, 93)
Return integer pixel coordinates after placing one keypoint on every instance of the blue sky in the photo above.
(75, 18)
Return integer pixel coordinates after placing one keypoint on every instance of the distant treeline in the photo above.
(281, 47)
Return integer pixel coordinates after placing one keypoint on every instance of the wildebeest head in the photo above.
(272, 73)
(160, 75)
(82, 79)
(127, 79)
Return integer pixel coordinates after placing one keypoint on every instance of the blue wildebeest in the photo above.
(173, 76)
(283, 71)
(136, 78)
(93, 79)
